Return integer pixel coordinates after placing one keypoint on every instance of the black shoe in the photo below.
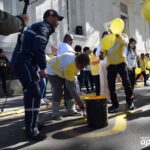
(57, 118)
(113, 109)
(41, 126)
(38, 137)
(131, 106)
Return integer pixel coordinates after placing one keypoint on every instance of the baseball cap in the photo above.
(53, 13)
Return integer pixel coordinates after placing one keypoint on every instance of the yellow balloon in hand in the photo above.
(138, 71)
(146, 10)
(108, 41)
(117, 26)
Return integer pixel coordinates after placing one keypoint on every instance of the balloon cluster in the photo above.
(116, 27)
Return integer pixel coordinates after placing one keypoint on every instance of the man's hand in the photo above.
(44, 73)
(25, 17)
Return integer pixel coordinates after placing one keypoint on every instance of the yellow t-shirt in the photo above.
(94, 67)
(63, 66)
(116, 54)
(147, 62)
(142, 64)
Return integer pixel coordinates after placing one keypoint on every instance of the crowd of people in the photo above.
(71, 71)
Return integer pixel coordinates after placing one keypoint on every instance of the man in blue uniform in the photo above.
(31, 56)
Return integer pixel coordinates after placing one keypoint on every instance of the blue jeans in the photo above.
(43, 84)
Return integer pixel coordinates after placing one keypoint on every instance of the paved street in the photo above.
(126, 130)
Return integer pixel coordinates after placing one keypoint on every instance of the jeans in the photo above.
(132, 77)
(43, 84)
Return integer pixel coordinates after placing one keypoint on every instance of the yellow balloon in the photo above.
(138, 71)
(117, 26)
(108, 41)
(146, 10)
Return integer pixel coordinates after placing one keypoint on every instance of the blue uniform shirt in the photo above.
(35, 39)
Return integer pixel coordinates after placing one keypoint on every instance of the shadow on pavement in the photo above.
(12, 133)
(146, 148)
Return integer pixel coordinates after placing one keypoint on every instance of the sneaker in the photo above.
(37, 137)
(74, 113)
(43, 102)
(46, 100)
(113, 109)
(57, 118)
(131, 106)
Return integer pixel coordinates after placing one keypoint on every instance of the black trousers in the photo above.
(81, 79)
(88, 79)
(132, 77)
(96, 79)
(120, 69)
(144, 76)
(3, 78)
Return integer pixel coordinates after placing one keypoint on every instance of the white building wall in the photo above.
(93, 15)
(139, 28)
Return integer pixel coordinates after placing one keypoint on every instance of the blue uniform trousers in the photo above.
(25, 73)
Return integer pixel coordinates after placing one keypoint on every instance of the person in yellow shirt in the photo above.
(143, 68)
(117, 65)
(147, 63)
(95, 62)
(62, 70)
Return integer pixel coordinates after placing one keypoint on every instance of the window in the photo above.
(75, 13)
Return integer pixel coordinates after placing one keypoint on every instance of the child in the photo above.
(95, 71)
(87, 73)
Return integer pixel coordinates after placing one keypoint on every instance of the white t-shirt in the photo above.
(98, 50)
(64, 47)
(63, 66)
(131, 59)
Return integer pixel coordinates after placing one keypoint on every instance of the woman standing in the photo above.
(131, 60)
